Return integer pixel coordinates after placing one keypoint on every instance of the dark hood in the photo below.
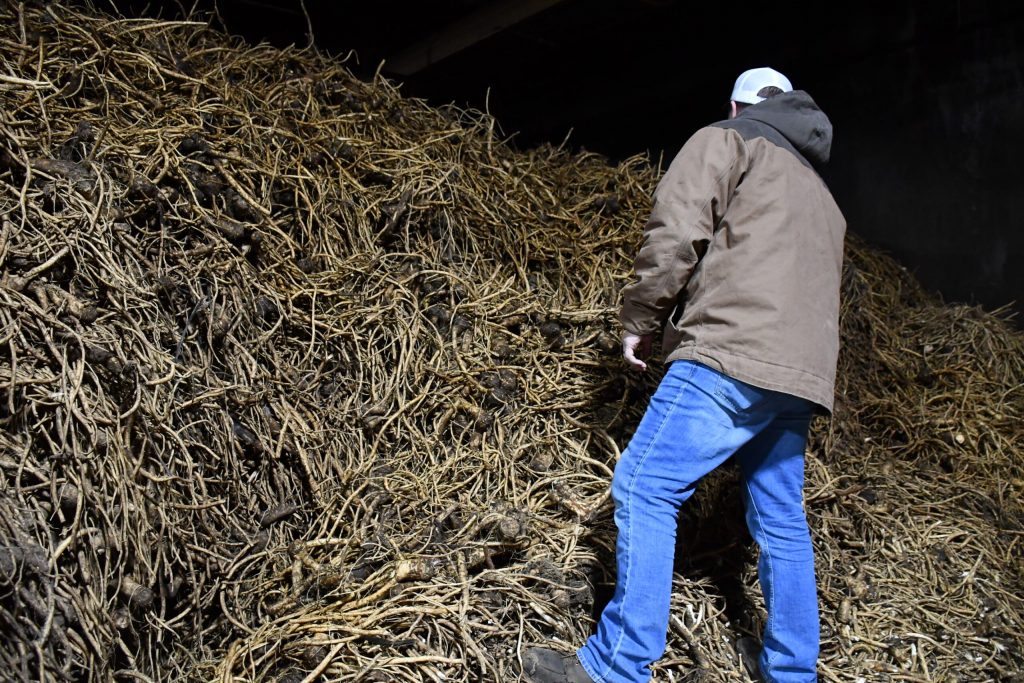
(799, 120)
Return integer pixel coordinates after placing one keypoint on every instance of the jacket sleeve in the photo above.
(688, 203)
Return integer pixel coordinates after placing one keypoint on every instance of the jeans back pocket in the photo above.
(737, 396)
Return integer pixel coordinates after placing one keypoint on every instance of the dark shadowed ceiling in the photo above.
(927, 97)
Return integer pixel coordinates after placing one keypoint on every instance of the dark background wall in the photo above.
(928, 165)
(927, 97)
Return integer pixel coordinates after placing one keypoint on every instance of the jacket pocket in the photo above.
(677, 315)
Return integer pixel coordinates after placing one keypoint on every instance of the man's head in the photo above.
(756, 85)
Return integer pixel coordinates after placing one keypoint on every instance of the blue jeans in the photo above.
(696, 420)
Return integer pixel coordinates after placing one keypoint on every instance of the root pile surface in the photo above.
(301, 379)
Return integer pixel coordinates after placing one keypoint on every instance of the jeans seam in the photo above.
(595, 677)
(629, 530)
(766, 548)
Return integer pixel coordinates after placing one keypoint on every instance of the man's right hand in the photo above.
(635, 347)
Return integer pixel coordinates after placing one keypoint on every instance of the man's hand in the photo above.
(635, 347)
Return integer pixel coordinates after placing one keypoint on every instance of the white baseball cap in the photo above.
(752, 80)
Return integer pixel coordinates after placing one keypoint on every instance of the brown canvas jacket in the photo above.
(742, 253)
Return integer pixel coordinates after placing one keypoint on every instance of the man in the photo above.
(740, 265)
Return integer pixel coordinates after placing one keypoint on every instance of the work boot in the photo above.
(541, 665)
